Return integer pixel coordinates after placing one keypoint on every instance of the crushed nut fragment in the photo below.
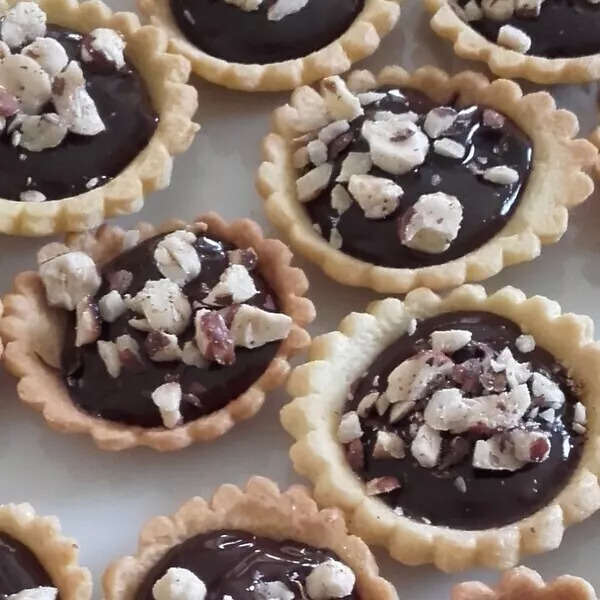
(378, 197)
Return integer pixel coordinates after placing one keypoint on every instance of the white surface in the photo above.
(104, 498)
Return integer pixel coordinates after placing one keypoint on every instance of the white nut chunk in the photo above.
(253, 327)
(514, 39)
(378, 197)
(498, 10)
(341, 200)
(439, 120)
(355, 163)
(546, 391)
(68, 278)
(449, 148)
(311, 184)
(432, 223)
(167, 399)
(349, 428)
(501, 175)
(179, 584)
(176, 257)
(41, 132)
(164, 306)
(495, 455)
(23, 77)
(450, 340)
(427, 446)
(49, 53)
(23, 23)
(112, 306)
(38, 593)
(104, 44)
(396, 144)
(282, 8)
(341, 103)
(270, 590)
(247, 5)
(525, 343)
(330, 580)
(235, 285)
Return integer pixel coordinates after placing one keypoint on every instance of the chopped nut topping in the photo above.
(317, 152)
(109, 353)
(530, 446)
(501, 175)
(23, 77)
(493, 119)
(246, 257)
(167, 398)
(388, 445)
(129, 353)
(546, 392)
(450, 340)
(333, 130)
(498, 10)
(176, 257)
(432, 223)
(349, 428)
(32, 196)
(213, 338)
(41, 132)
(103, 46)
(378, 197)
(88, 322)
(449, 148)
(528, 9)
(179, 584)
(341, 103)
(580, 414)
(439, 120)
(426, 446)
(366, 404)
(525, 343)
(381, 485)
(38, 593)
(341, 200)
(282, 8)
(235, 285)
(329, 580)
(367, 98)
(514, 39)
(162, 347)
(472, 11)
(68, 278)
(272, 590)
(382, 405)
(253, 327)
(310, 185)
(461, 485)
(192, 356)
(336, 240)
(355, 163)
(22, 23)
(112, 306)
(49, 53)
(355, 454)
(495, 454)
(516, 372)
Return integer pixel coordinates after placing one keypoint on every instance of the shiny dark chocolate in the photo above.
(230, 562)
(492, 499)
(127, 399)
(563, 29)
(486, 207)
(19, 568)
(228, 32)
(124, 106)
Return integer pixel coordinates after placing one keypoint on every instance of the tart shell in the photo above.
(556, 181)
(375, 21)
(595, 138)
(507, 63)
(320, 388)
(525, 583)
(262, 510)
(56, 553)
(33, 333)
(165, 76)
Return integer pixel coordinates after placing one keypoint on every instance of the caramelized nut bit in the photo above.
(355, 163)
(381, 485)
(450, 340)
(388, 445)
(355, 455)
(432, 223)
(340, 144)
(213, 338)
(129, 353)
(514, 39)
(501, 175)
(349, 428)
(530, 446)
(162, 347)
(178, 583)
(176, 257)
(109, 353)
(9, 103)
(112, 306)
(104, 47)
(22, 23)
(330, 579)
(246, 257)
(378, 197)
(235, 285)
(439, 120)
(252, 327)
(427, 446)
(525, 343)
(341, 103)
(282, 8)
(88, 322)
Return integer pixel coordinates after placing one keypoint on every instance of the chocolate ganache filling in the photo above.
(206, 386)
(486, 140)
(19, 568)
(225, 31)
(233, 562)
(82, 162)
(497, 454)
(562, 29)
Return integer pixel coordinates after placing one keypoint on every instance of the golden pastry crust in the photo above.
(525, 583)
(556, 181)
(260, 509)
(33, 334)
(58, 554)
(375, 21)
(320, 388)
(175, 103)
(504, 62)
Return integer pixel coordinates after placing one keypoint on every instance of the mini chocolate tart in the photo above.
(459, 431)
(406, 180)
(545, 41)
(157, 337)
(271, 45)
(36, 561)
(522, 582)
(91, 112)
(249, 544)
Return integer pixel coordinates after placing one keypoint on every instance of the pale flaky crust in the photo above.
(555, 183)
(337, 359)
(375, 21)
(58, 554)
(262, 510)
(521, 583)
(504, 62)
(165, 76)
(33, 333)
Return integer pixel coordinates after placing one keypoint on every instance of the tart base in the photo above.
(260, 509)
(467, 43)
(376, 20)
(175, 103)
(555, 183)
(33, 333)
(320, 388)
(56, 553)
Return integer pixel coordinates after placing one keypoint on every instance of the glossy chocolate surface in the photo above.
(486, 206)
(563, 29)
(492, 499)
(127, 399)
(64, 171)
(228, 32)
(230, 562)
(19, 568)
